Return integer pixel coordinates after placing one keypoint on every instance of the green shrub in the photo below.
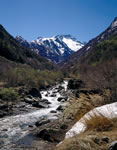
(8, 94)
(32, 78)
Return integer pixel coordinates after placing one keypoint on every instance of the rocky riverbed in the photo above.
(34, 112)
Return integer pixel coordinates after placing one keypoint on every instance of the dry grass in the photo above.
(91, 139)
(98, 128)
(98, 122)
(77, 108)
(78, 143)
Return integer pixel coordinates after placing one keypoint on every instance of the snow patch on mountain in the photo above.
(73, 45)
(56, 48)
(114, 23)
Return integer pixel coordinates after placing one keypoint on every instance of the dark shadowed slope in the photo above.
(14, 51)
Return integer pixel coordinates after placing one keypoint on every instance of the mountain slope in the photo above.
(96, 48)
(56, 48)
(11, 49)
(20, 66)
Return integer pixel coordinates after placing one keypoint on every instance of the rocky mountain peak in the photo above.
(21, 40)
(114, 23)
(56, 48)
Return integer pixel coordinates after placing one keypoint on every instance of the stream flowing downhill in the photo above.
(13, 128)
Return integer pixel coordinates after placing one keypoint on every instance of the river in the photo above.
(13, 128)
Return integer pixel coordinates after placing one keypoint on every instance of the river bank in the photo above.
(46, 119)
(41, 111)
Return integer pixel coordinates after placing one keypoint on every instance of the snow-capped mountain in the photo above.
(56, 48)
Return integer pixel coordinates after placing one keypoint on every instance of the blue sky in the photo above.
(83, 19)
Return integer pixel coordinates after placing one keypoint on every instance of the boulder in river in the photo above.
(45, 101)
(46, 95)
(49, 135)
(3, 106)
(34, 92)
(64, 126)
(53, 95)
(62, 99)
(42, 122)
(31, 100)
(75, 84)
(3, 113)
(53, 111)
(40, 105)
(1, 142)
(60, 108)
(28, 100)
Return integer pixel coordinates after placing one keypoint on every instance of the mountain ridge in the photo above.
(105, 35)
(12, 50)
(56, 48)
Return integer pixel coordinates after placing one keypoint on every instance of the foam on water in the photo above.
(13, 128)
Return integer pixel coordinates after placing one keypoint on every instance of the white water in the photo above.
(14, 128)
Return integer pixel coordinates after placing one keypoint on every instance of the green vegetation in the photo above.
(20, 66)
(19, 75)
(14, 51)
(104, 51)
(98, 67)
(32, 78)
(8, 94)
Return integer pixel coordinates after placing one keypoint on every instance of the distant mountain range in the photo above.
(56, 48)
(63, 49)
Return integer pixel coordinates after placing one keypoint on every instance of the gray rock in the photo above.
(53, 111)
(62, 99)
(42, 122)
(1, 142)
(3, 113)
(3, 106)
(53, 95)
(60, 108)
(49, 135)
(45, 101)
(35, 93)
(29, 96)
(28, 100)
(40, 105)
(75, 84)
(64, 126)
(105, 139)
(46, 95)
(96, 140)
(30, 126)
(113, 146)
(54, 92)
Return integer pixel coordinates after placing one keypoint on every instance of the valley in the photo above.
(52, 86)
